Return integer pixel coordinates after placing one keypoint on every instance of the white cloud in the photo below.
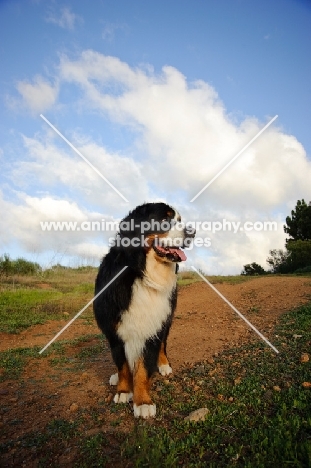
(65, 19)
(183, 137)
(37, 96)
(48, 165)
(24, 217)
(185, 131)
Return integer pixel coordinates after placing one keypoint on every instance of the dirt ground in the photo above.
(204, 325)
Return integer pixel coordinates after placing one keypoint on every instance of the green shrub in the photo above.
(20, 266)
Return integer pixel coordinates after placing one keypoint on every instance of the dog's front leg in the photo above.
(124, 381)
(143, 406)
(163, 364)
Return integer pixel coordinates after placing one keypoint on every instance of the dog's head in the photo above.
(156, 226)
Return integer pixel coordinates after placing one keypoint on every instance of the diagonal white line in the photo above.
(83, 157)
(234, 158)
(236, 311)
(82, 310)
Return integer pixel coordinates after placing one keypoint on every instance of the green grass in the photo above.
(92, 453)
(13, 361)
(189, 277)
(33, 300)
(23, 308)
(250, 424)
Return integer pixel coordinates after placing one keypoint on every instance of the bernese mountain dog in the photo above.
(135, 312)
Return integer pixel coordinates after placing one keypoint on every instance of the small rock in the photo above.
(305, 357)
(199, 370)
(166, 381)
(197, 415)
(231, 399)
(74, 407)
(237, 381)
(13, 400)
(276, 388)
(306, 384)
(65, 314)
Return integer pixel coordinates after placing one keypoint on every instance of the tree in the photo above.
(298, 225)
(253, 269)
(299, 254)
(278, 261)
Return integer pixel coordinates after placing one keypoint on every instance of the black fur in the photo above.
(110, 305)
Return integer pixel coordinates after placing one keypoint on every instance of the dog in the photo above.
(135, 311)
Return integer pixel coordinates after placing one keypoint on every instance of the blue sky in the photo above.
(159, 96)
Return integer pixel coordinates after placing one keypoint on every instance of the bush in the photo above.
(253, 269)
(306, 269)
(20, 266)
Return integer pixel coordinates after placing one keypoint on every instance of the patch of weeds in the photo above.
(52, 439)
(61, 428)
(254, 310)
(93, 451)
(59, 361)
(236, 279)
(84, 288)
(13, 361)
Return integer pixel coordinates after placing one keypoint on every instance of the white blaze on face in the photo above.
(176, 235)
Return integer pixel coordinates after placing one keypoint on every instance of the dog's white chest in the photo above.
(148, 311)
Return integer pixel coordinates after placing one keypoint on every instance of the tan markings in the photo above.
(160, 272)
(141, 385)
(162, 359)
(125, 383)
(150, 239)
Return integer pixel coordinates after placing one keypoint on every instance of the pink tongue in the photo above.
(175, 251)
(180, 254)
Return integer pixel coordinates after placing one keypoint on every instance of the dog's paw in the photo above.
(165, 369)
(144, 411)
(114, 379)
(123, 397)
